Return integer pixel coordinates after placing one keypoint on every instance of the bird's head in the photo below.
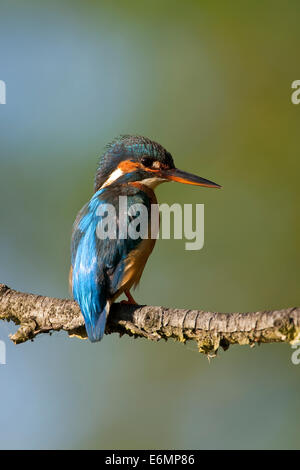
(131, 158)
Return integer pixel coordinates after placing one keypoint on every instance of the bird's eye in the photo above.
(147, 161)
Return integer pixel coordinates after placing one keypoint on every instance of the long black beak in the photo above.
(187, 178)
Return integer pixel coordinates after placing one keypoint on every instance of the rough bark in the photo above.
(36, 314)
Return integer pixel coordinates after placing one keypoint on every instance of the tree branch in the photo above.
(37, 314)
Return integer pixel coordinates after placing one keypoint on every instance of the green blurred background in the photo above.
(211, 81)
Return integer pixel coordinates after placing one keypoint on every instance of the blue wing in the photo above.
(98, 264)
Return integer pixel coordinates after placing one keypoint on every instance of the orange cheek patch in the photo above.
(127, 166)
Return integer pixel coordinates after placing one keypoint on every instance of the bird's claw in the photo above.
(130, 300)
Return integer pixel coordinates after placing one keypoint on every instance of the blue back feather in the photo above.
(98, 265)
(88, 291)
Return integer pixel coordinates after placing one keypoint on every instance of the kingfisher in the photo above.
(103, 268)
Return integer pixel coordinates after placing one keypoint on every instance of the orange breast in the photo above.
(136, 260)
(135, 264)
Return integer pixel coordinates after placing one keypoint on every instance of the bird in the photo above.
(104, 268)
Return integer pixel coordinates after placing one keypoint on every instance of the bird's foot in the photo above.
(130, 300)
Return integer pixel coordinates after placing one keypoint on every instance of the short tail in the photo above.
(91, 295)
(95, 329)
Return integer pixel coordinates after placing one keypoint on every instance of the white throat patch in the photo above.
(153, 182)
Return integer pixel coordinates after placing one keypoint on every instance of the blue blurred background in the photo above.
(211, 81)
